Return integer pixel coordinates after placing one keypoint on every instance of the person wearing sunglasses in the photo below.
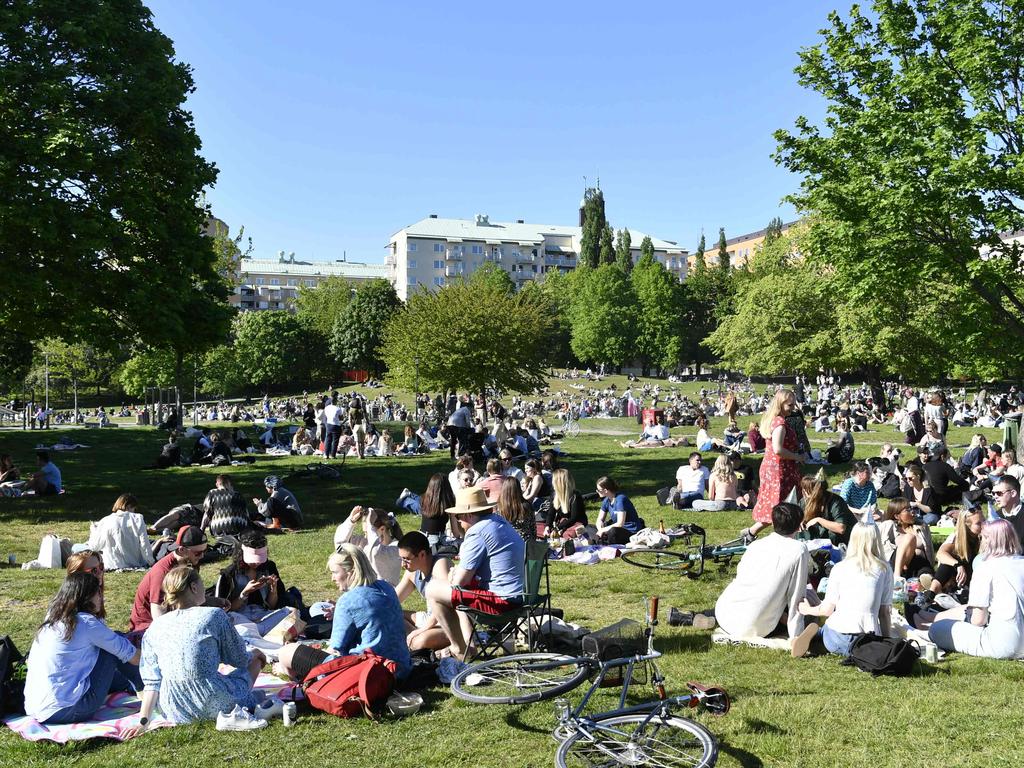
(1006, 496)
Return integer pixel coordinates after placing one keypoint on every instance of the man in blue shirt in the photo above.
(45, 482)
(857, 490)
(491, 575)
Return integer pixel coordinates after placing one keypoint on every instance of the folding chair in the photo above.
(494, 631)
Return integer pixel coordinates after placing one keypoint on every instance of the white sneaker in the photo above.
(406, 493)
(271, 708)
(945, 601)
(239, 719)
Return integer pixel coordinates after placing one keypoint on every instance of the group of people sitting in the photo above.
(45, 481)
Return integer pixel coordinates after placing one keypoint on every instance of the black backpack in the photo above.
(12, 678)
(882, 655)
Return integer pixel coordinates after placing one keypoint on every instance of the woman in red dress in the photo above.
(780, 469)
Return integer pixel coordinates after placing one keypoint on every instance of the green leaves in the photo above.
(358, 332)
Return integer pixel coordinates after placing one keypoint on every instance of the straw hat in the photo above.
(469, 500)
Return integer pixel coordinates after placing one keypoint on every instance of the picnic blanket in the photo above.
(112, 720)
(722, 637)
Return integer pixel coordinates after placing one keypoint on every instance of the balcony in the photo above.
(453, 271)
(390, 260)
(454, 254)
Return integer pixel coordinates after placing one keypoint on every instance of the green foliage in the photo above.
(470, 336)
(100, 214)
(647, 248)
(772, 232)
(603, 314)
(220, 372)
(359, 330)
(623, 251)
(917, 166)
(558, 288)
(318, 308)
(490, 273)
(659, 299)
(594, 224)
(228, 253)
(151, 368)
(707, 298)
(699, 262)
(607, 245)
(723, 251)
(273, 349)
(15, 358)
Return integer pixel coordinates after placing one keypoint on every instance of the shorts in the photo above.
(484, 601)
(305, 658)
(420, 619)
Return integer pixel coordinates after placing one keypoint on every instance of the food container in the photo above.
(404, 704)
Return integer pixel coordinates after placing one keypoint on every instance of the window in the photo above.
(275, 281)
(438, 248)
(438, 264)
(292, 282)
(476, 250)
(412, 264)
(412, 280)
(310, 283)
(439, 281)
(259, 281)
(411, 248)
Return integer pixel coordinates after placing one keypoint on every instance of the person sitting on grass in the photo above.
(826, 515)
(906, 541)
(691, 481)
(993, 624)
(920, 496)
(858, 491)
(721, 485)
(182, 652)
(76, 660)
(771, 580)
(224, 510)
(47, 480)
(841, 448)
(858, 598)
(516, 509)
(536, 486)
(955, 559)
(423, 632)
(281, 508)
(618, 518)
(89, 561)
(568, 510)
(490, 482)
(733, 434)
(121, 536)
(367, 617)
(252, 584)
(755, 440)
(490, 577)
(8, 472)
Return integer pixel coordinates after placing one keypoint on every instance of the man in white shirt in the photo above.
(656, 432)
(770, 582)
(460, 426)
(691, 481)
(508, 469)
(332, 422)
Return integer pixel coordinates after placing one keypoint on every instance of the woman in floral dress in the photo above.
(780, 469)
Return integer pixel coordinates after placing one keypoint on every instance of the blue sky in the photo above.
(336, 124)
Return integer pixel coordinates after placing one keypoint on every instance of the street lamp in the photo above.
(416, 365)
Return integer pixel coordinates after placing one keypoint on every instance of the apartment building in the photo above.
(275, 283)
(741, 249)
(434, 251)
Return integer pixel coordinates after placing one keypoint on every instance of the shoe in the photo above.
(239, 719)
(677, 618)
(924, 599)
(747, 537)
(925, 581)
(946, 602)
(406, 493)
(703, 621)
(802, 642)
(269, 709)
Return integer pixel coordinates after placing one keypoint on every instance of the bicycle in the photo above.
(570, 427)
(648, 734)
(690, 560)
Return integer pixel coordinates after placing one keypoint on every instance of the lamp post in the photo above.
(416, 366)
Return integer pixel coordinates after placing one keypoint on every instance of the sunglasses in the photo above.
(1000, 493)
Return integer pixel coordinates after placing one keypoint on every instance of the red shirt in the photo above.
(150, 591)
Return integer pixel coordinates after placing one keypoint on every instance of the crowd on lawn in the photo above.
(970, 596)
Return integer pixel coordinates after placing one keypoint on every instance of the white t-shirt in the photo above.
(692, 480)
(656, 432)
(857, 596)
(998, 584)
(332, 415)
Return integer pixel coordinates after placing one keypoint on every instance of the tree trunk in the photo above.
(873, 377)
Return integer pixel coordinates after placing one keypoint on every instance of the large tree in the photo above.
(594, 223)
(917, 168)
(699, 262)
(723, 250)
(608, 244)
(604, 317)
(359, 330)
(101, 179)
(624, 251)
(272, 349)
(491, 273)
(659, 315)
(319, 307)
(470, 336)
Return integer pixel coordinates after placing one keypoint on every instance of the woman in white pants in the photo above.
(994, 621)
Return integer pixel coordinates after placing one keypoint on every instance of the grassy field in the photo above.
(785, 713)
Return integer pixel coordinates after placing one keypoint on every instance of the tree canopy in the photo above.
(594, 224)
(624, 251)
(603, 316)
(359, 329)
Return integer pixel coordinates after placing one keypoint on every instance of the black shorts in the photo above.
(305, 658)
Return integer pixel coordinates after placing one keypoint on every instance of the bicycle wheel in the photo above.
(658, 559)
(572, 429)
(618, 740)
(520, 679)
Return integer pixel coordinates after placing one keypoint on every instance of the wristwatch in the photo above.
(144, 721)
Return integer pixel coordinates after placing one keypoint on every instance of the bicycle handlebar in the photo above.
(653, 610)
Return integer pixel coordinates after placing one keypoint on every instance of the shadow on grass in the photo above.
(753, 725)
(742, 756)
(514, 719)
(689, 642)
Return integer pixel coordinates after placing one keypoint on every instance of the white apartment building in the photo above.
(275, 283)
(433, 251)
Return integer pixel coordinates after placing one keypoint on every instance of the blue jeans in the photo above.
(685, 500)
(836, 642)
(410, 503)
(108, 675)
(331, 441)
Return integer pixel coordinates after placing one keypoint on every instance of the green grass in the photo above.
(786, 712)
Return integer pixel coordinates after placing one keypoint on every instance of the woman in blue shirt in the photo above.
(367, 617)
(76, 660)
(618, 519)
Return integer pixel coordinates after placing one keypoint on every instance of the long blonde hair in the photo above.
(352, 559)
(723, 469)
(564, 487)
(774, 409)
(865, 548)
(176, 583)
(966, 543)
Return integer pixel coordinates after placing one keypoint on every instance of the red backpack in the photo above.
(349, 686)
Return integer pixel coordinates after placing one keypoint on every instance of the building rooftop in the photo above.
(712, 244)
(354, 269)
(483, 230)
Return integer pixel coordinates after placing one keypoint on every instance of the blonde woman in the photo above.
(181, 654)
(568, 509)
(367, 617)
(721, 488)
(858, 598)
(780, 469)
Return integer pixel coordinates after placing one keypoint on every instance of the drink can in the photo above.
(931, 653)
(289, 714)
